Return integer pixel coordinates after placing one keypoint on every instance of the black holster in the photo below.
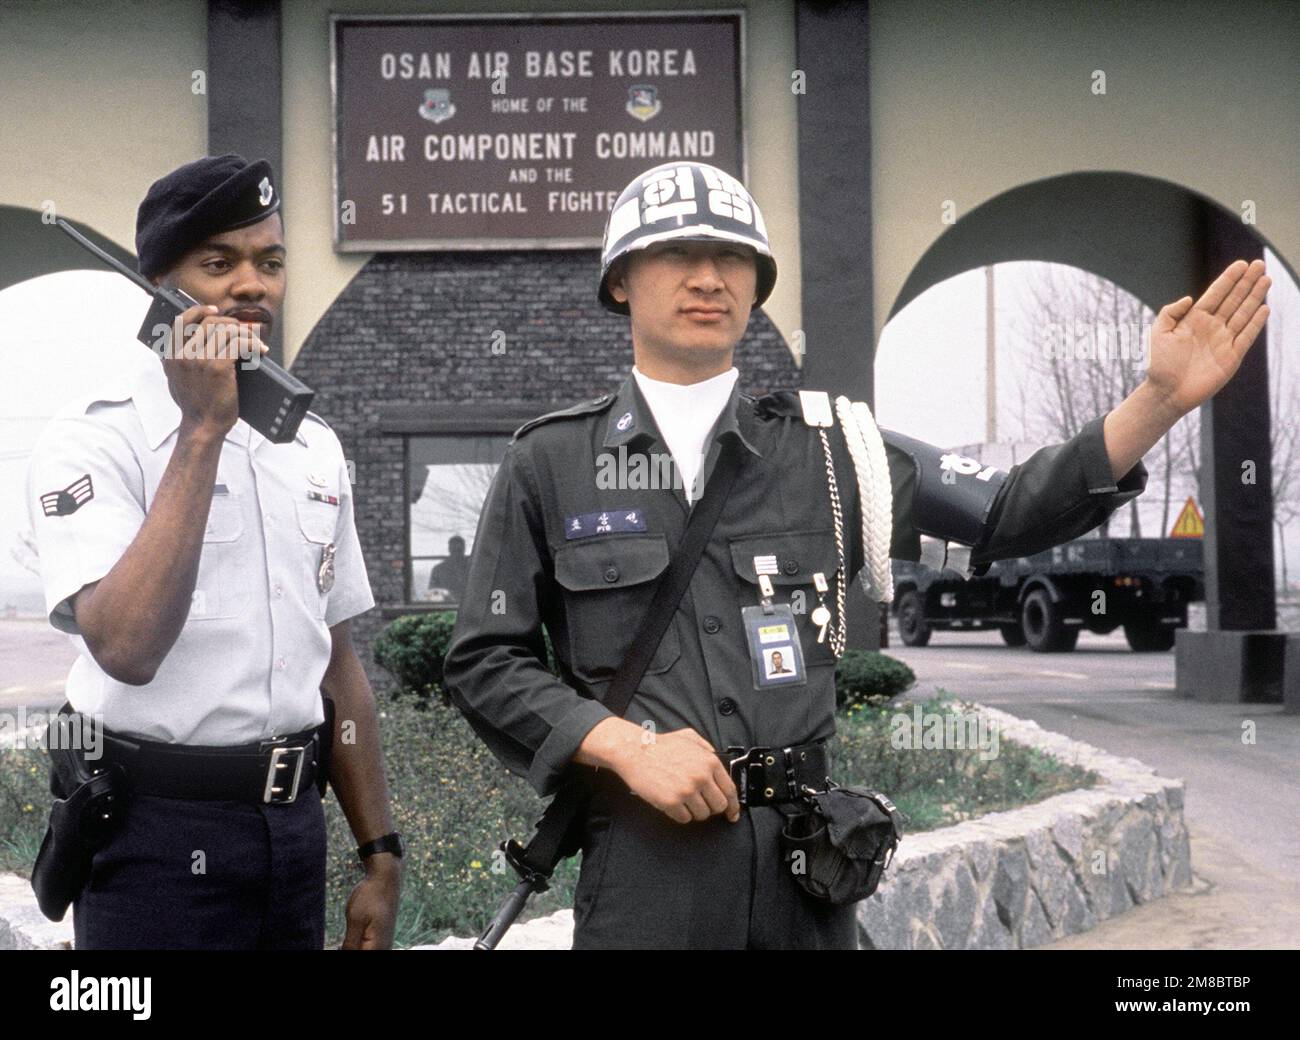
(90, 803)
(838, 847)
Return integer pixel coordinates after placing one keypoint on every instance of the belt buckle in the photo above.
(273, 793)
(744, 762)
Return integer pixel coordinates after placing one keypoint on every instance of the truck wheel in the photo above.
(1012, 635)
(1040, 619)
(1147, 636)
(911, 619)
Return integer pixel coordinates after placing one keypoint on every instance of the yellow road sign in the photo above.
(1190, 523)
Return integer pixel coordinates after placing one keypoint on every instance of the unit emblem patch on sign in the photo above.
(643, 102)
(437, 106)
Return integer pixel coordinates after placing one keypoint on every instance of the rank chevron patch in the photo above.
(68, 500)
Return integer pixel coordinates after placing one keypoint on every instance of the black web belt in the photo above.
(270, 772)
(777, 775)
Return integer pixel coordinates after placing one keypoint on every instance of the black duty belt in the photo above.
(271, 772)
(776, 775)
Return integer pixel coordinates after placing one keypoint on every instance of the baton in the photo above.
(530, 881)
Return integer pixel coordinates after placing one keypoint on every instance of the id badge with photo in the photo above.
(775, 652)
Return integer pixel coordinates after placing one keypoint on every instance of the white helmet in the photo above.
(690, 201)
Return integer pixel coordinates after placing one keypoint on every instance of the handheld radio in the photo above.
(271, 401)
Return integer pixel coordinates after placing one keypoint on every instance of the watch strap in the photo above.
(385, 843)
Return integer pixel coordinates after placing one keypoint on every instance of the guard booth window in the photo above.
(447, 482)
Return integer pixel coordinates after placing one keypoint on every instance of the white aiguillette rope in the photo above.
(875, 495)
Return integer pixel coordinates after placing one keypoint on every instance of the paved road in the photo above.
(34, 662)
(1241, 797)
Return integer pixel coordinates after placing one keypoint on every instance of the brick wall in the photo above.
(415, 328)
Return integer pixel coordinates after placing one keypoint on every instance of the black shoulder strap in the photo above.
(543, 852)
(672, 586)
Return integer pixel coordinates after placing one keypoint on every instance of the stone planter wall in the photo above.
(1016, 879)
(22, 925)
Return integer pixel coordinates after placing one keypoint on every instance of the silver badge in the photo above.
(316, 479)
(325, 576)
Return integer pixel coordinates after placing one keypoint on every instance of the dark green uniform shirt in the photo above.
(589, 584)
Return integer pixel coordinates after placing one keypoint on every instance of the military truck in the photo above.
(1044, 601)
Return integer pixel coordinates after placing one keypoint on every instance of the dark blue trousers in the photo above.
(208, 875)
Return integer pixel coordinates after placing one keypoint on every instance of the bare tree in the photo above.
(453, 501)
(1086, 341)
(1284, 434)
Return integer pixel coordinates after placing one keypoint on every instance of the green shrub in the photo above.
(413, 648)
(869, 677)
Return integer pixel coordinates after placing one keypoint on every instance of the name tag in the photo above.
(609, 521)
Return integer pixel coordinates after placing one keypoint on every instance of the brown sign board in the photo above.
(517, 131)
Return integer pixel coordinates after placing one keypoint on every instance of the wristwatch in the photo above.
(385, 843)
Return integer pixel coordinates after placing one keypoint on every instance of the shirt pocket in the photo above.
(220, 590)
(316, 524)
(607, 586)
(799, 555)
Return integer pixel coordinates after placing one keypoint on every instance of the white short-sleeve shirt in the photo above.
(249, 660)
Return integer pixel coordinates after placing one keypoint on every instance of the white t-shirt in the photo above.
(685, 415)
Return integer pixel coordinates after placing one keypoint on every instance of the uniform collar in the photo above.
(630, 418)
(160, 415)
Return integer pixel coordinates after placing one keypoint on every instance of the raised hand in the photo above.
(1196, 347)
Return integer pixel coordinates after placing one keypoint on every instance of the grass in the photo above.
(453, 804)
(936, 788)
(24, 807)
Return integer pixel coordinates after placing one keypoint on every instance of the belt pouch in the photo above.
(839, 847)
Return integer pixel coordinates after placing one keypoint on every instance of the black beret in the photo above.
(214, 194)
